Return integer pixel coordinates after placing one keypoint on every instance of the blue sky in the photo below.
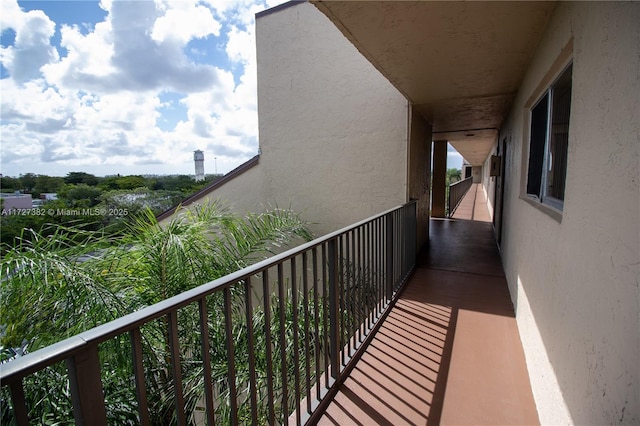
(129, 87)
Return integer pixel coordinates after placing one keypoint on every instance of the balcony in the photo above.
(449, 351)
(472, 205)
(347, 329)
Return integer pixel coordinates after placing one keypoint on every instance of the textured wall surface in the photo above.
(575, 282)
(333, 131)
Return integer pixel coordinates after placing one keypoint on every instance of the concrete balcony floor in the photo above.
(449, 352)
(473, 205)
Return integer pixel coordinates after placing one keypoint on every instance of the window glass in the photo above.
(549, 141)
(559, 141)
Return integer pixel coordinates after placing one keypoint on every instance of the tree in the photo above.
(28, 181)
(453, 175)
(109, 183)
(184, 183)
(130, 182)
(75, 178)
(46, 183)
(81, 195)
(66, 288)
(10, 184)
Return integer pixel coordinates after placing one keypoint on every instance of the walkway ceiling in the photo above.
(459, 63)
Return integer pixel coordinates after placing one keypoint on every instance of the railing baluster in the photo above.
(20, 411)
(346, 293)
(326, 335)
(85, 385)
(296, 337)
(307, 331)
(266, 294)
(317, 313)
(138, 372)
(206, 361)
(334, 309)
(357, 330)
(283, 343)
(381, 265)
(176, 371)
(231, 362)
(390, 254)
(366, 285)
(253, 396)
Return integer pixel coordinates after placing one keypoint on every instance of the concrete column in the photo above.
(439, 178)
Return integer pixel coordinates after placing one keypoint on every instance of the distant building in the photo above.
(16, 201)
(198, 158)
(48, 196)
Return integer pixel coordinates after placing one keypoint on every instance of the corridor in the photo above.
(449, 351)
(473, 205)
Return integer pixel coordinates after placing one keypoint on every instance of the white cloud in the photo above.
(97, 107)
(182, 21)
(31, 49)
(241, 46)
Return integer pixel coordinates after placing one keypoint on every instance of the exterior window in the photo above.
(549, 142)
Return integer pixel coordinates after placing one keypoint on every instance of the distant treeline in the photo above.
(35, 184)
(90, 202)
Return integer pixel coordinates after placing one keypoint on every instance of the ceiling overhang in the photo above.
(458, 63)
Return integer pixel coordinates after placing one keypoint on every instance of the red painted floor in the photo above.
(449, 352)
(473, 205)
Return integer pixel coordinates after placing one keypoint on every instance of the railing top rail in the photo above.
(25, 365)
(460, 181)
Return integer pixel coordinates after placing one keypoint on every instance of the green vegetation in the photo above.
(453, 175)
(114, 201)
(63, 280)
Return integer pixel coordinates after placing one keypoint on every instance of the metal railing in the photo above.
(456, 192)
(272, 341)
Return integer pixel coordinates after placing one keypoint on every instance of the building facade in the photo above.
(352, 94)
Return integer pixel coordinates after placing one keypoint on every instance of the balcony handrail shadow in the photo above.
(402, 376)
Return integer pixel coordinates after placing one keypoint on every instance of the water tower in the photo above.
(198, 158)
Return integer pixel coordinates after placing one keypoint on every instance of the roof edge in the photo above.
(279, 7)
(211, 187)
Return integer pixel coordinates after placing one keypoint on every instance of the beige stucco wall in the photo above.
(476, 173)
(575, 283)
(333, 131)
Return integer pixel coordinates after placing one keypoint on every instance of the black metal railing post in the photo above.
(86, 387)
(20, 411)
(334, 308)
(138, 369)
(389, 256)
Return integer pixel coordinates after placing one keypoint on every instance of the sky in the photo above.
(128, 87)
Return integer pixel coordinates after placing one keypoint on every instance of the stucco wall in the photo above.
(575, 283)
(333, 130)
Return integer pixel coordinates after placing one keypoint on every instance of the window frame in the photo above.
(546, 203)
(549, 97)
